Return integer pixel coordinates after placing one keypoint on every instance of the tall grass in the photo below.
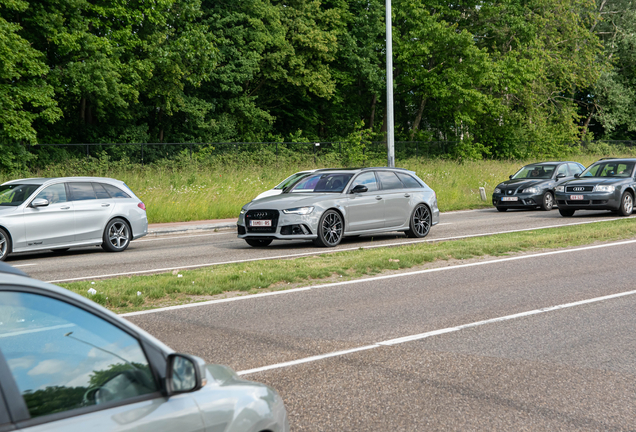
(186, 190)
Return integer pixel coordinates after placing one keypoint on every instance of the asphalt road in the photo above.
(152, 254)
(567, 369)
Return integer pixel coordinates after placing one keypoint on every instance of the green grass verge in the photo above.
(121, 294)
(185, 190)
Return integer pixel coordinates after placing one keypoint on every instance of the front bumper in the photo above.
(590, 201)
(284, 226)
(524, 200)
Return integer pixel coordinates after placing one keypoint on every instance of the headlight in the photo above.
(601, 188)
(560, 188)
(533, 190)
(299, 210)
(497, 190)
(243, 211)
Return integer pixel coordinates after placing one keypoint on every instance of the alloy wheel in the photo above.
(118, 235)
(332, 228)
(548, 201)
(628, 204)
(4, 245)
(422, 220)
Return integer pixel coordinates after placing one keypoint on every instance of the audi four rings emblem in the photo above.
(260, 214)
(578, 189)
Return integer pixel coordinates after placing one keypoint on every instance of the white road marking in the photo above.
(445, 223)
(22, 265)
(377, 278)
(321, 252)
(421, 336)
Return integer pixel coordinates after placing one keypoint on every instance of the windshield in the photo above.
(609, 169)
(290, 180)
(15, 194)
(535, 172)
(334, 182)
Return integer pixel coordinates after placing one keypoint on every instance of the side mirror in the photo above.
(577, 175)
(184, 374)
(39, 202)
(560, 176)
(359, 189)
(510, 176)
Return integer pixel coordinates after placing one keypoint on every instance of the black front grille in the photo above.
(579, 202)
(579, 188)
(261, 215)
(599, 202)
(561, 202)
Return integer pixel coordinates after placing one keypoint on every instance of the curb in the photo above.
(191, 229)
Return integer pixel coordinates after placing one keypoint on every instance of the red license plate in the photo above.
(576, 197)
(261, 223)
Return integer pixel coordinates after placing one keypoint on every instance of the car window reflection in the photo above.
(63, 357)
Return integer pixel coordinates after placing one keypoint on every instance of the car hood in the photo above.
(288, 200)
(597, 180)
(524, 183)
(268, 193)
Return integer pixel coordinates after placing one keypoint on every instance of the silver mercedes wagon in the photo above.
(331, 204)
(59, 213)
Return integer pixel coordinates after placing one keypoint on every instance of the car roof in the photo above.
(552, 163)
(44, 180)
(7, 269)
(617, 159)
(359, 169)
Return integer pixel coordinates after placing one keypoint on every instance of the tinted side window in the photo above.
(574, 169)
(563, 169)
(409, 181)
(54, 194)
(114, 191)
(100, 192)
(63, 358)
(367, 179)
(81, 191)
(389, 180)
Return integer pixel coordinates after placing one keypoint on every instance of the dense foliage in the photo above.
(503, 78)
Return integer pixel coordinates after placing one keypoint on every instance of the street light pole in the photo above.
(390, 140)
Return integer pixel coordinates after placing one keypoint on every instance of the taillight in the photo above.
(142, 206)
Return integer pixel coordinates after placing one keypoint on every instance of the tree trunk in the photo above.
(89, 115)
(587, 123)
(418, 118)
(372, 118)
(83, 110)
(160, 126)
(383, 129)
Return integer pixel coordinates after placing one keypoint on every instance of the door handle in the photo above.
(105, 205)
(407, 195)
(378, 198)
(64, 208)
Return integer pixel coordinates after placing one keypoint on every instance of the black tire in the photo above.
(502, 209)
(566, 212)
(627, 204)
(330, 229)
(547, 203)
(420, 222)
(258, 242)
(5, 244)
(117, 235)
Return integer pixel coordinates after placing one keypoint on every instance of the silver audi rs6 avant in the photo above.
(60, 213)
(331, 204)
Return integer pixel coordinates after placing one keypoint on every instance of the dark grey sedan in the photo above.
(533, 186)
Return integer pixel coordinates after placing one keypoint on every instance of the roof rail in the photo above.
(609, 158)
(401, 169)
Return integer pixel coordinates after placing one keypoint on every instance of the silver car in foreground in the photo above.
(69, 365)
(60, 213)
(331, 204)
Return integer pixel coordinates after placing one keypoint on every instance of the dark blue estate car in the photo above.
(608, 184)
